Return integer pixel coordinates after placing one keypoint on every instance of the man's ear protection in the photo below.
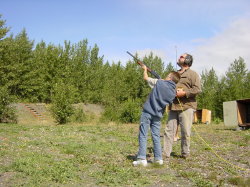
(188, 60)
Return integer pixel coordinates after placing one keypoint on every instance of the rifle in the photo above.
(142, 63)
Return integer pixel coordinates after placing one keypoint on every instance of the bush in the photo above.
(130, 111)
(110, 113)
(217, 120)
(127, 112)
(7, 112)
(79, 116)
(62, 108)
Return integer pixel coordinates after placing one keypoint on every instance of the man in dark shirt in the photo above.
(162, 95)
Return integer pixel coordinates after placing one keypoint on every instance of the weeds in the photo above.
(102, 154)
(239, 181)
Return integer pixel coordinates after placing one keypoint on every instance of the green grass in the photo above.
(102, 154)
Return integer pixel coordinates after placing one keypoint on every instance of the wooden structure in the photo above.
(202, 116)
(237, 113)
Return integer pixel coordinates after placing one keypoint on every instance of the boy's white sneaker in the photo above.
(140, 162)
(160, 162)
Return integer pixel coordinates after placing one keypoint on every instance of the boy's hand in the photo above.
(145, 73)
(180, 92)
(144, 67)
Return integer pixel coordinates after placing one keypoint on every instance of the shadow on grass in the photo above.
(175, 155)
(234, 129)
(133, 157)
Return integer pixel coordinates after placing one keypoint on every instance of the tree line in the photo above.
(76, 73)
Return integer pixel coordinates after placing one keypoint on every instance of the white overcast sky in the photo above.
(215, 32)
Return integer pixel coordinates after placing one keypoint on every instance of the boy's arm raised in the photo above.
(145, 73)
(151, 81)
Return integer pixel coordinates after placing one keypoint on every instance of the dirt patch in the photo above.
(5, 178)
(39, 113)
(91, 108)
(33, 113)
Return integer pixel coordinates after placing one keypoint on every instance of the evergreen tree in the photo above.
(221, 96)
(53, 66)
(7, 113)
(247, 85)
(208, 97)
(3, 29)
(3, 45)
(80, 62)
(28, 69)
(41, 72)
(236, 78)
(113, 91)
(16, 63)
(133, 84)
(95, 76)
(168, 69)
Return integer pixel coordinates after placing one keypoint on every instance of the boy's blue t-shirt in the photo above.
(162, 95)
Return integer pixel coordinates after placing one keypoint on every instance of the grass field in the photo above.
(99, 154)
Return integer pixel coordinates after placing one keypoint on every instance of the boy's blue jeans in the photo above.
(154, 123)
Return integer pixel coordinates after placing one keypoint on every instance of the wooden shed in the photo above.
(202, 116)
(237, 113)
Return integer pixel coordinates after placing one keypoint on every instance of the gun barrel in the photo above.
(139, 62)
(133, 56)
(142, 63)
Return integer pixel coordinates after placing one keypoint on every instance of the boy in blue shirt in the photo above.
(162, 94)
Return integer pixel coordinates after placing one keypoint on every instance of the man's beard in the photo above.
(180, 63)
